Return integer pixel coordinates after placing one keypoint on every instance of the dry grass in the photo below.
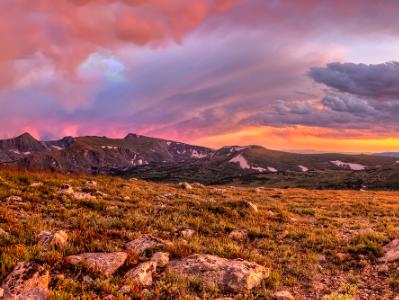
(318, 244)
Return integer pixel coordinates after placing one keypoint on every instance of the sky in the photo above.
(297, 75)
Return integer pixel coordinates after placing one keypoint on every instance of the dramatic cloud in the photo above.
(380, 81)
(196, 69)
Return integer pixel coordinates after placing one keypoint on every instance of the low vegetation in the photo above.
(317, 244)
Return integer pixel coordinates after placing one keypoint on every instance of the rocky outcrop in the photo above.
(58, 239)
(28, 280)
(231, 275)
(391, 251)
(103, 264)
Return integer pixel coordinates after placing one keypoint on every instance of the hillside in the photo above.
(164, 160)
(305, 243)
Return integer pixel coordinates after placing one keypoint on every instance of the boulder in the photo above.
(66, 189)
(227, 274)
(391, 251)
(144, 243)
(58, 239)
(161, 259)
(142, 274)
(28, 280)
(103, 264)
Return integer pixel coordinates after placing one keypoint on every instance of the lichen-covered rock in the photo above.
(48, 239)
(252, 206)
(144, 243)
(161, 259)
(103, 264)
(232, 275)
(28, 280)
(142, 274)
(391, 251)
(14, 199)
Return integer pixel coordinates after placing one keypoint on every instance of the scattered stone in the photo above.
(239, 234)
(133, 179)
(109, 297)
(103, 264)
(383, 268)
(124, 289)
(270, 213)
(199, 185)
(83, 196)
(391, 251)
(91, 183)
(66, 189)
(234, 275)
(142, 274)
(4, 234)
(187, 233)
(28, 280)
(258, 190)
(252, 206)
(58, 239)
(59, 276)
(341, 256)
(15, 198)
(144, 243)
(161, 259)
(218, 191)
(167, 196)
(126, 198)
(185, 185)
(36, 184)
(284, 295)
(88, 280)
(1, 293)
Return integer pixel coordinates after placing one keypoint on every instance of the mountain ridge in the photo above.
(166, 160)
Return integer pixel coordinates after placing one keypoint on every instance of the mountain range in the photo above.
(165, 160)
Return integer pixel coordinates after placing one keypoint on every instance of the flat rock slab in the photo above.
(227, 274)
(391, 251)
(28, 280)
(103, 264)
(144, 243)
(142, 274)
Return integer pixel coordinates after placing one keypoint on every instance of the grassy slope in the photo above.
(291, 233)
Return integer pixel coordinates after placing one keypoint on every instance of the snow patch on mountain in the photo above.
(303, 168)
(351, 166)
(196, 154)
(241, 160)
(271, 169)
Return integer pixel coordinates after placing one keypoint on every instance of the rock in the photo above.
(59, 276)
(83, 196)
(144, 243)
(283, 295)
(109, 297)
(91, 183)
(252, 206)
(103, 264)
(258, 190)
(391, 251)
(234, 275)
(218, 191)
(270, 213)
(341, 256)
(28, 280)
(161, 259)
(4, 234)
(383, 268)
(66, 189)
(15, 198)
(187, 233)
(125, 289)
(88, 280)
(198, 185)
(1, 293)
(239, 234)
(58, 239)
(142, 274)
(185, 185)
(36, 184)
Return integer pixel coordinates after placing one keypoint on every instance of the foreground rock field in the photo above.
(79, 237)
